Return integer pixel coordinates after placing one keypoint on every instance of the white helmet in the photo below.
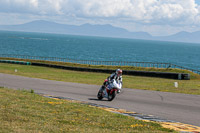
(119, 72)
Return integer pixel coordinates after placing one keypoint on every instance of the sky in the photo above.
(157, 17)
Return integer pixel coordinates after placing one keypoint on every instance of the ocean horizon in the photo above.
(99, 48)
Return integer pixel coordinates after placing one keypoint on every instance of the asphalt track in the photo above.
(171, 106)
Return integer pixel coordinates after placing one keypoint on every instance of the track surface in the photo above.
(171, 106)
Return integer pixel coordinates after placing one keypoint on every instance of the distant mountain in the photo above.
(97, 30)
(183, 36)
(85, 29)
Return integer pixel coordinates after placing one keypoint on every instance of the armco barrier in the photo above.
(15, 62)
(180, 76)
(107, 63)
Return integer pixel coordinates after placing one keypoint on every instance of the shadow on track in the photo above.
(96, 99)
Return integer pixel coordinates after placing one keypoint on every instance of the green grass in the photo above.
(146, 83)
(23, 111)
(193, 75)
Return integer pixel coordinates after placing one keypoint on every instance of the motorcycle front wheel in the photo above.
(99, 95)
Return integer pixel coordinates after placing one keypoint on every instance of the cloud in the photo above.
(18, 6)
(140, 11)
(168, 12)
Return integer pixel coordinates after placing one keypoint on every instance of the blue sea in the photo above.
(99, 48)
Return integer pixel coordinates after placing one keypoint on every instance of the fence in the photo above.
(110, 63)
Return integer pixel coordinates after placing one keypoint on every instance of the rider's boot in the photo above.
(118, 91)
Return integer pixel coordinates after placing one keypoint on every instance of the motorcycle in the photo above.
(110, 91)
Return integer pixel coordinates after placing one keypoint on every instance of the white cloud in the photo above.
(144, 12)
(136, 10)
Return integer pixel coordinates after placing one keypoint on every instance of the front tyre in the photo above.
(99, 95)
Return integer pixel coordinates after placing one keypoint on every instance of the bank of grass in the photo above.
(136, 82)
(193, 75)
(23, 111)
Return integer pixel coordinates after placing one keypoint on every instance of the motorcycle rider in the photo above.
(117, 76)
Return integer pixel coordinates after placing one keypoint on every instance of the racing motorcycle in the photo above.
(110, 91)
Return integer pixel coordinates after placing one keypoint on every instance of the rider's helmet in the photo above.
(119, 72)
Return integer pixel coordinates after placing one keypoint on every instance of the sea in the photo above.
(99, 48)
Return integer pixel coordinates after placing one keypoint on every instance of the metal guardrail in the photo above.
(15, 62)
(92, 62)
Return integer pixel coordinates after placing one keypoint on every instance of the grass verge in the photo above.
(172, 70)
(146, 83)
(23, 111)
